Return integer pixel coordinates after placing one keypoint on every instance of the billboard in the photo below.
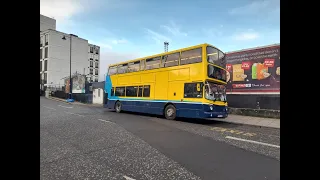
(256, 70)
(79, 84)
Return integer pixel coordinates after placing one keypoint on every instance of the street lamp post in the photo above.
(70, 92)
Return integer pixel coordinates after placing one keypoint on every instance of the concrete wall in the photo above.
(47, 23)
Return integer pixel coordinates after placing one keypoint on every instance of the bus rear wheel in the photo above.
(118, 106)
(170, 112)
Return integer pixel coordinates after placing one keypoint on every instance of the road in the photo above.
(85, 142)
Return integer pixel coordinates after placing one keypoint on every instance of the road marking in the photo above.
(65, 106)
(219, 129)
(49, 107)
(128, 178)
(256, 142)
(104, 120)
(74, 114)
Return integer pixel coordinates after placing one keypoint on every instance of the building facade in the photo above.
(47, 23)
(55, 56)
(94, 63)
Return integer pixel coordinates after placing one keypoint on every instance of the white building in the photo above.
(55, 56)
(94, 62)
(47, 23)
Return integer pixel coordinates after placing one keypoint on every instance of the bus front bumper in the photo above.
(215, 114)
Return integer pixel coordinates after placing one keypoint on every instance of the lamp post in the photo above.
(70, 92)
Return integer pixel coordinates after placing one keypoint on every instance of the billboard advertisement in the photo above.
(79, 84)
(256, 70)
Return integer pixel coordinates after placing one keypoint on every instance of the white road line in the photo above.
(128, 178)
(104, 120)
(49, 107)
(65, 106)
(256, 142)
(74, 114)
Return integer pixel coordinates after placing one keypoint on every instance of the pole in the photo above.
(70, 91)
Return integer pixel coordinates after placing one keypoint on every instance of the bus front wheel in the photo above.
(118, 106)
(170, 112)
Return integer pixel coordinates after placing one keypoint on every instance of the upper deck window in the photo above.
(170, 60)
(191, 56)
(216, 57)
(112, 70)
(153, 63)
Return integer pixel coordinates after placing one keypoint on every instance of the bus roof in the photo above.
(165, 53)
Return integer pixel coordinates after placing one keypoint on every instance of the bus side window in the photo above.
(134, 66)
(146, 91)
(112, 91)
(153, 63)
(140, 91)
(112, 70)
(191, 56)
(170, 60)
(191, 90)
(142, 65)
(131, 91)
(120, 91)
(123, 68)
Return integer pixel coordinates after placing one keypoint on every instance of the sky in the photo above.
(128, 29)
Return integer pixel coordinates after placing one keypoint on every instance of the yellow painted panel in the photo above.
(161, 86)
(148, 77)
(123, 80)
(175, 90)
(184, 74)
(135, 79)
(174, 75)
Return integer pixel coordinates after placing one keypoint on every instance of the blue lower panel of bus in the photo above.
(184, 109)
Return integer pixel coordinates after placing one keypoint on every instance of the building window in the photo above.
(96, 71)
(40, 53)
(120, 91)
(46, 52)
(91, 49)
(131, 91)
(41, 41)
(98, 92)
(193, 90)
(170, 60)
(134, 66)
(45, 65)
(40, 66)
(45, 78)
(146, 91)
(96, 79)
(91, 71)
(97, 65)
(97, 59)
(91, 64)
(46, 37)
(153, 63)
(191, 56)
(97, 50)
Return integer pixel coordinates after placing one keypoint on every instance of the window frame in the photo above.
(194, 90)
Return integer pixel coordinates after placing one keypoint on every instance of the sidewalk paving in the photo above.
(236, 119)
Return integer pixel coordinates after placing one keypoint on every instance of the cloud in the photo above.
(174, 29)
(119, 41)
(108, 57)
(159, 38)
(259, 7)
(245, 36)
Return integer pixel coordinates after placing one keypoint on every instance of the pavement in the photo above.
(88, 142)
(235, 119)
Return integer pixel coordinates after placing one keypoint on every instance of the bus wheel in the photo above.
(118, 106)
(170, 112)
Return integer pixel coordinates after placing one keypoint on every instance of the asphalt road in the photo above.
(84, 142)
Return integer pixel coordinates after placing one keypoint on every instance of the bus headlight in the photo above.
(211, 108)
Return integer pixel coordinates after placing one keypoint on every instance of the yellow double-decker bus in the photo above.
(188, 82)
